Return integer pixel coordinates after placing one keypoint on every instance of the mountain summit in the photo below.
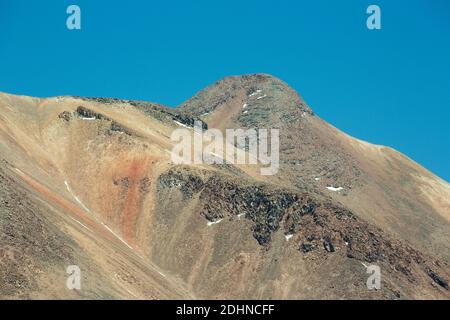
(89, 182)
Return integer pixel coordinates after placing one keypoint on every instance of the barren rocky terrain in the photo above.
(90, 182)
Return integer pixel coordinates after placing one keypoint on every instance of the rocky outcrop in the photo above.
(317, 226)
(86, 113)
(66, 116)
(437, 279)
(154, 110)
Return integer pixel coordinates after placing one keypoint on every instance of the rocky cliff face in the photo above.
(262, 101)
(316, 156)
(314, 225)
(89, 182)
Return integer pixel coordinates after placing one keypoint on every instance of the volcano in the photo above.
(89, 182)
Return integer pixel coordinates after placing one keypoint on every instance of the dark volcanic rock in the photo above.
(436, 278)
(155, 110)
(306, 247)
(309, 217)
(119, 128)
(87, 113)
(327, 244)
(188, 120)
(65, 115)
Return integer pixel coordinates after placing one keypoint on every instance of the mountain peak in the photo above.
(253, 78)
(239, 92)
(91, 181)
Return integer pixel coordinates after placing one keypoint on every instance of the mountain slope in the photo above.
(380, 184)
(89, 182)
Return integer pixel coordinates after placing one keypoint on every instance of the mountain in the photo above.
(90, 182)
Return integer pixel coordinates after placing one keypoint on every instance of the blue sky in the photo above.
(389, 86)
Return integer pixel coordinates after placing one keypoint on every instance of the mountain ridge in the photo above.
(214, 231)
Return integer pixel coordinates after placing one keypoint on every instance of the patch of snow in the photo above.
(210, 223)
(215, 155)
(288, 236)
(334, 188)
(118, 237)
(240, 215)
(254, 93)
(317, 179)
(75, 197)
(261, 97)
(88, 118)
(80, 223)
(244, 106)
(162, 274)
(180, 124)
(81, 203)
(246, 111)
(67, 186)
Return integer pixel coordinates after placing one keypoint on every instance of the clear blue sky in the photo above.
(388, 87)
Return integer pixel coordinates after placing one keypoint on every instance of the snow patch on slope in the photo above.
(180, 124)
(210, 223)
(80, 223)
(335, 189)
(254, 93)
(117, 236)
(75, 197)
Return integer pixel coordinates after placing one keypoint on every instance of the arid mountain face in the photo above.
(90, 182)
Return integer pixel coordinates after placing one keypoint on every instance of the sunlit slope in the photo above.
(100, 191)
